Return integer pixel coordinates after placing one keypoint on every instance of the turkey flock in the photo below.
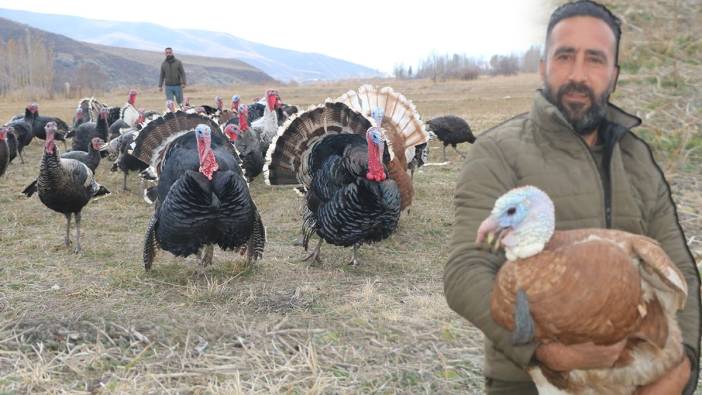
(351, 158)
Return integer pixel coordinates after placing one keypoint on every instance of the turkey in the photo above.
(577, 286)
(84, 134)
(266, 127)
(202, 196)
(402, 117)
(19, 136)
(38, 123)
(129, 113)
(125, 161)
(90, 158)
(451, 130)
(247, 144)
(89, 109)
(120, 126)
(4, 150)
(340, 158)
(64, 185)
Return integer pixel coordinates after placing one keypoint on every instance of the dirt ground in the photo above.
(96, 322)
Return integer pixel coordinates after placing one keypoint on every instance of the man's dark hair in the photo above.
(587, 8)
(167, 48)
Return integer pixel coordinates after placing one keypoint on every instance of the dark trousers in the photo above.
(499, 387)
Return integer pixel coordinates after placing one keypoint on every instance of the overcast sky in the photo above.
(374, 33)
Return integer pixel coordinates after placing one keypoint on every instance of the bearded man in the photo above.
(580, 149)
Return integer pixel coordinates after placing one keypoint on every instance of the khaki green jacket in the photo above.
(542, 149)
(172, 73)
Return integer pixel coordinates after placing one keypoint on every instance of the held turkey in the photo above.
(202, 196)
(247, 144)
(64, 185)
(577, 286)
(451, 130)
(404, 122)
(340, 159)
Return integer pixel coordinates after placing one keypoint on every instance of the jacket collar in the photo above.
(549, 117)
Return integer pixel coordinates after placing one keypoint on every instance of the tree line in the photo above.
(462, 67)
(26, 66)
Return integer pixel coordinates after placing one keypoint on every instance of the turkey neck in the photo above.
(208, 162)
(49, 172)
(375, 165)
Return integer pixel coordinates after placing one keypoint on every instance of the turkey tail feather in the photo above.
(31, 189)
(150, 243)
(286, 159)
(400, 114)
(157, 134)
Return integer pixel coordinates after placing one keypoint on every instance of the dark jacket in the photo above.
(542, 149)
(172, 72)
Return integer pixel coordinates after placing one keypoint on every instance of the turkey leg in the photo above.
(77, 217)
(314, 255)
(67, 239)
(459, 152)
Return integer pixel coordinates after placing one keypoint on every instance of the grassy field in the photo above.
(96, 322)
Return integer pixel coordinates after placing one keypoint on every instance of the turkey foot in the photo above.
(208, 252)
(354, 261)
(314, 255)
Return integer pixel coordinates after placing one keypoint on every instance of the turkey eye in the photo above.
(511, 211)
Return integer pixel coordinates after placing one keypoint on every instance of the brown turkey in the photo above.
(64, 185)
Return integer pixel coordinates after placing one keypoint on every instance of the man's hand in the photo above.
(183, 86)
(672, 382)
(562, 358)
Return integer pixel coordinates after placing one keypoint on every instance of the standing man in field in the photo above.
(579, 148)
(173, 74)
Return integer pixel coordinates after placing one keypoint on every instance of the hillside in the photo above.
(117, 67)
(281, 64)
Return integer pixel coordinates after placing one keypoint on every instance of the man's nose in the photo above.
(578, 72)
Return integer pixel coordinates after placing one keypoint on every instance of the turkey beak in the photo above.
(490, 234)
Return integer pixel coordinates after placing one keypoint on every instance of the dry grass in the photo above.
(97, 322)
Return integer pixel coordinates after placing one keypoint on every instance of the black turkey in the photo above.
(451, 130)
(90, 158)
(340, 159)
(38, 123)
(85, 133)
(247, 144)
(125, 161)
(20, 133)
(4, 150)
(202, 196)
(64, 185)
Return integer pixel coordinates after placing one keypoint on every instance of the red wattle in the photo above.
(208, 162)
(376, 172)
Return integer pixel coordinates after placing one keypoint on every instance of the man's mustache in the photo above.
(574, 87)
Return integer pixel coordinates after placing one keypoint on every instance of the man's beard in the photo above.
(169, 57)
(584, 120)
